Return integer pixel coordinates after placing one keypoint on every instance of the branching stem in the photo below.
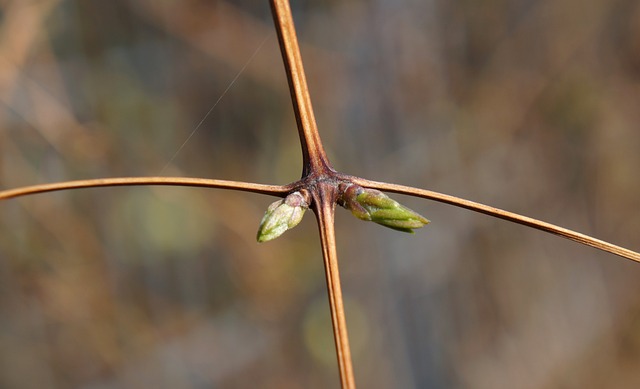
(323, 184)
(317, 171)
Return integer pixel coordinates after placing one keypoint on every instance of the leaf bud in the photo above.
(373, 205)
(281, 216)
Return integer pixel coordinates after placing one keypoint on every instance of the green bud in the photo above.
(282, 216)
(373, 205)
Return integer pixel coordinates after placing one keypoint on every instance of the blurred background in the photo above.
(530, 106)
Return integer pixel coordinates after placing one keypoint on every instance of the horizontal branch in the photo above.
(502, 214)
(274, 190)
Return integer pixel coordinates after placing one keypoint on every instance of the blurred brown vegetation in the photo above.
(531, 106)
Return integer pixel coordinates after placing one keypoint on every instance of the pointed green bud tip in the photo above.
(281, 216)
(373, 205)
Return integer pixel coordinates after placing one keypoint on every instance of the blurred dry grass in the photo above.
(527, 105)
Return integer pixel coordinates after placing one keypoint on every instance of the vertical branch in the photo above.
(315, 162)
(324, 200)
(314, 157)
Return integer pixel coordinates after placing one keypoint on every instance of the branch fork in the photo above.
(320, 189)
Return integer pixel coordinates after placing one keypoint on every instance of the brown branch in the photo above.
(314, 156)
(324, 206)
(315, 166)
(274, 190)
(502, 214)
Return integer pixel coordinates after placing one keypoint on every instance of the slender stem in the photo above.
(325, 202)
(274, 190)
(314, 157)
(506, 215)
(315, 163)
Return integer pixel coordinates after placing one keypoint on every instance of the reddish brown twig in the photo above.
(275, 190)
(318, 178)
(506, 215)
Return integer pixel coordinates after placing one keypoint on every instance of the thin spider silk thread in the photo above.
(255, 52)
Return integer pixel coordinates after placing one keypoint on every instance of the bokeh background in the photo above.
(531, 106)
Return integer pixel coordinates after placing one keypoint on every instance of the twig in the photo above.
(325, 203)
(506, 215)
(314, 156)
(315, 166)
(274, 190)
